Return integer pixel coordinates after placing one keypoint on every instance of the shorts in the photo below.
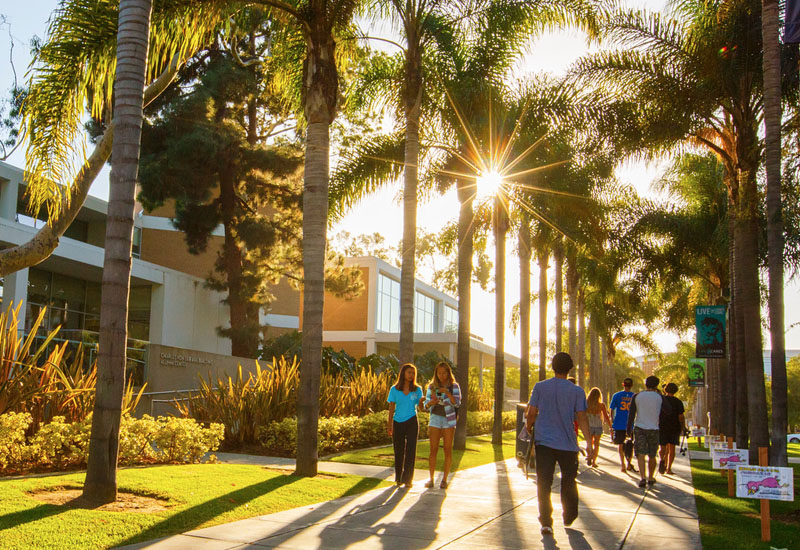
(441, 422)
(619, 437)
(645, 442)
(595, 430)
(669, 438)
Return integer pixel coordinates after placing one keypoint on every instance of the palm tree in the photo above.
(711, 96)
(500, 223)
(775, 244)
(132, 44)
(524, 253)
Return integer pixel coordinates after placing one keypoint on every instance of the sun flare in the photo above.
(489, 184)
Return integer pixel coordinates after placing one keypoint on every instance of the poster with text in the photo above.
(710, 440)
(710, 324)
(729, 459)
(767, 482)
(697, 372)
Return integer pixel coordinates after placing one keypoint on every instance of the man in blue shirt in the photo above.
(554, 405)
(620, 405)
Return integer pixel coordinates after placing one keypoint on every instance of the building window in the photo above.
(450, 319)
(424, 313)
(388, 304)
(136, 250)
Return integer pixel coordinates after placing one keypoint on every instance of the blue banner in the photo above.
(710, 324)
(791, 33)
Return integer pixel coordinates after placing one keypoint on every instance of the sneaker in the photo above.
(569, 521)
(443, 485)
(662, 466)
(643, 484)
(547, 531)
(408, 485)
(650, 482)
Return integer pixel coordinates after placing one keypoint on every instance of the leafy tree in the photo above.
(203, 151)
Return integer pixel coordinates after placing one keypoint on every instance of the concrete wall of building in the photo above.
(168, 249)
(356, 349)
(343, 314)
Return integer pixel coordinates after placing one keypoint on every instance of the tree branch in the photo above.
(46, 239)
(287, 8)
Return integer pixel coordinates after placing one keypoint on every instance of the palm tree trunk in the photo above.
(413, 102)
(740, 369)
(747, 267)
(465, 247)
(542, 256)
(524, 309)
(581, 339)
(772, 155)
(603, 368)
(594, 350)
(132, 44)
(572, 298)
(558, 256)
(500, 228)
(321, 82)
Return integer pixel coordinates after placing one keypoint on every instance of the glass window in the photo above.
(78, 230)
(450, 319)
(136, 251)
(388, 304)
(139, 313)
(68, 292)
(424, 313)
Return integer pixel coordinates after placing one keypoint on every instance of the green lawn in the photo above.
(727, 523)
(479, 451)
(793, 449)
(199, 495)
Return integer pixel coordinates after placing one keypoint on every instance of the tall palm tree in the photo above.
(524, 253)
(133, 37)
(712, 97)
(500, 223)
(775, 244)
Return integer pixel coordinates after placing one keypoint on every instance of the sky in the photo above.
(552, 52)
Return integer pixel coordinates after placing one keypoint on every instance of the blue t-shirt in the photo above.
(405, 406)
(620, 405)
(558, 400)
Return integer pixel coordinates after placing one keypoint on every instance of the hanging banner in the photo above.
(697, 372)
(767, 482)
(791, 33)
(710, 324)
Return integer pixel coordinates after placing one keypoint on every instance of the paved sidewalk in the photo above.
(491, 506)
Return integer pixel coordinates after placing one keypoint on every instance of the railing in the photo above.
(136, 351)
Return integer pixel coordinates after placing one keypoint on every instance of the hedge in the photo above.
(345, 433)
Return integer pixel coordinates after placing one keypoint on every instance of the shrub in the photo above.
(356, 432)
(60, 444)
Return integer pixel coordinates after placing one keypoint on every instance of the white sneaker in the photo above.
(547, 531)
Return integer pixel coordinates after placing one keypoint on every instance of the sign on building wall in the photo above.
(710, 325)
(697, 372)
(767, 482)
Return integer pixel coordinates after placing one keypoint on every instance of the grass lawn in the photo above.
(727, 523)
(793, 449)
(479, 451)
(198, 495)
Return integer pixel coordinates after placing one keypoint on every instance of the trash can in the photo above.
(521, 446)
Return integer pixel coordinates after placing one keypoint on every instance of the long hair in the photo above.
(401, 380)
(594, 401)
(435, 380)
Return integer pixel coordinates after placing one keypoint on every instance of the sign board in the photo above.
(697, 372)
(721, 445)
(698, 431)
(729, 459)
(710, 324)
(711, 439)
(765, 482)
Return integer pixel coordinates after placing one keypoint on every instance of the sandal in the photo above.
(443, 485)
(429, 484)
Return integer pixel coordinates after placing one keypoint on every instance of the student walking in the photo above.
(553, 405)
(671, 425)
(596, 414)
(404, 397)
(442, 399)
(643, 424)
(620, 405)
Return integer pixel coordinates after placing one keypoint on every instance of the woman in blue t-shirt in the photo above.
(404, 397)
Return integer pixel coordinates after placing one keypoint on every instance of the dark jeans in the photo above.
(546, 459)
(404, 438)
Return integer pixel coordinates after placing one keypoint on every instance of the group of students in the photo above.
(442, 400)
(557, 407)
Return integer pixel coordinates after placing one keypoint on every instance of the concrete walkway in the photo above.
(491, 506)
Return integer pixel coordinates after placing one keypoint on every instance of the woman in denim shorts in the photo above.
(442, 399)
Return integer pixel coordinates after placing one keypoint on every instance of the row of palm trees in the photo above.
(460, 118)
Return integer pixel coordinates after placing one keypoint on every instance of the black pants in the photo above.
(546, 459)
(404, 438)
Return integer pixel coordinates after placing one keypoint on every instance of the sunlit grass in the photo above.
(198, 496)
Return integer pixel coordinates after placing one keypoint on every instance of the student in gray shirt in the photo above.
(643, 424)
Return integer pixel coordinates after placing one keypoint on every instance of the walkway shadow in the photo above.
(194, 516)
